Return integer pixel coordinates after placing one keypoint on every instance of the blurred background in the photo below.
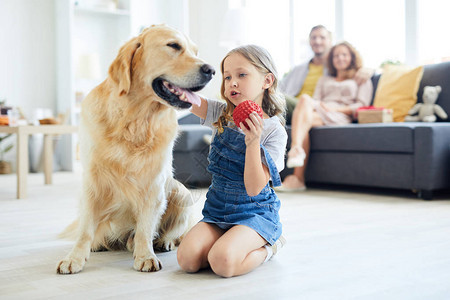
(54, 51)
(44, 41)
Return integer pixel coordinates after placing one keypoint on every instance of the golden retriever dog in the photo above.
(128, 127)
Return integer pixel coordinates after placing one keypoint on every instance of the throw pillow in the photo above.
(397, 89)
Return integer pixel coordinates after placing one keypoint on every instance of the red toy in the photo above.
(243, 110)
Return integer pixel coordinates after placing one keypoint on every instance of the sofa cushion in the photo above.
(374, 137)
(188, 118)
(434, 74)
(397, 89)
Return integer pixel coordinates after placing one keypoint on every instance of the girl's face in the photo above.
(342, 58)
(242, 81)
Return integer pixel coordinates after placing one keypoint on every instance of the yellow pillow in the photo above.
(397, 89)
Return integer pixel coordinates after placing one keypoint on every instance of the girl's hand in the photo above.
(252, 135)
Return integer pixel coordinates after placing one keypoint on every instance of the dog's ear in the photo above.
(121, 68)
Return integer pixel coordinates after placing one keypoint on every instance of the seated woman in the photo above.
(335, 100)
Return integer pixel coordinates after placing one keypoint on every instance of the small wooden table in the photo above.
(22, 150)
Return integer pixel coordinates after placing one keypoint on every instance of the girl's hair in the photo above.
(273, 103)
(355, 63)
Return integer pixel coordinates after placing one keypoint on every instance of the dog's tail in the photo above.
(179, 194)
(70, 232)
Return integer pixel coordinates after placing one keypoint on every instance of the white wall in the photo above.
(28, 77)
(27, 54)
(150, 12)
(205, 25)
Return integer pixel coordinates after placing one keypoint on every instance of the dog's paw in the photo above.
(70, 266)
(166, 246)
(147, 264)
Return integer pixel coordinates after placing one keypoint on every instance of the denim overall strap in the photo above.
(276, 179)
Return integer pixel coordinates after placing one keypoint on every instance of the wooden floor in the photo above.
(342, 244)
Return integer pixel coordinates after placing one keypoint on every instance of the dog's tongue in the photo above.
(183, 94)
(191, 98)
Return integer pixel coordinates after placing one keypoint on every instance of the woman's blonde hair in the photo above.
(355, 64)
(273, 103)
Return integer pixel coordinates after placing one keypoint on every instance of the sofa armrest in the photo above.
(432, 156)
(190, 155)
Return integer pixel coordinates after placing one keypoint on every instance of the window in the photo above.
(376, 29)
(268, 26)
(434, 44)
(306, 15)
(283, 28)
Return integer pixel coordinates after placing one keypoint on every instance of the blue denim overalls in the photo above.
(227, 202)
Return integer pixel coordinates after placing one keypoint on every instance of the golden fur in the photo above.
(128, 127)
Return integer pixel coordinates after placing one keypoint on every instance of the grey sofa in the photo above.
(412, 156)
(190, 153)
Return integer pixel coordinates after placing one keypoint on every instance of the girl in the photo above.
(335, 100)
(241, 227)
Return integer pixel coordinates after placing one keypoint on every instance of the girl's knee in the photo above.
(221, 262)
(189, 260)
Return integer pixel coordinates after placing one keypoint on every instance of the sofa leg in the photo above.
(426, 194)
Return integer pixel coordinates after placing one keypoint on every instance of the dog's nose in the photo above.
(208, 70)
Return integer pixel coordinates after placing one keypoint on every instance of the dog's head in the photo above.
(165, 61)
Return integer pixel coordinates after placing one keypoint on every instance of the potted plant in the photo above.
(5, 166)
